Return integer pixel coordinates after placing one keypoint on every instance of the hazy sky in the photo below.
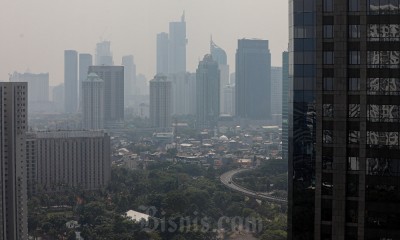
(35, 33)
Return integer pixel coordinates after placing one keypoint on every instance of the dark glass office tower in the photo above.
(344, 156)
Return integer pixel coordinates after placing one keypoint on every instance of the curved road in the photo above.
(227, 180)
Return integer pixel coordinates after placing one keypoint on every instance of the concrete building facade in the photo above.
(13, 181)
(113, 77)
(69, 159)
(253, 80)
(208, 93)
(161, 103)
(93, 103)
(70, 81)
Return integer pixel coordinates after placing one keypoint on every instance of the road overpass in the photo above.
(227, 180)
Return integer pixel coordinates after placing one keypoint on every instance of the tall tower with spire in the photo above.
(177, 46)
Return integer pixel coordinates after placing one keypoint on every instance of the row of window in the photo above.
(375, 112)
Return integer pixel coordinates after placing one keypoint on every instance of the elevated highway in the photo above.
(227, 180)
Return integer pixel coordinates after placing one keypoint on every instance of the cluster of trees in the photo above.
(271, 176)
(173, 191)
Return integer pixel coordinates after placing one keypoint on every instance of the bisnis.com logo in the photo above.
(197, 223)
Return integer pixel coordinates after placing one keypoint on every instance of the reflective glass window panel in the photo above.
(354, 31)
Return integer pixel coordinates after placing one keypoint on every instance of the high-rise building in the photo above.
(162, 53)
(161, 102)
(13, 193)
(93, 102)
(104, 56)
(183, 93)
(85, 60)
(70, 81)
(38, 85)
(253, 80)
(129, 76)
(38, 88)
(58, 97)
(113, 77)
(276, 90)
(177, 47)
(344, 124)
(219, 55)
(285, 104)
(208, 93)
(229, 100)
(68, 159)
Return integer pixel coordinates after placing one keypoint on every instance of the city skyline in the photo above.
(131, 32)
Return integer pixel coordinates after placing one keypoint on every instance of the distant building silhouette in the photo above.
(161, 103)
(71, 81)
(13, 179)
(229, 100)
(103, 54)
(177, 46)
(253, 80)
(219, 55)
(183, 93)
(208, 93)
(85, 60)
(113, 77)
(162, 53)
(38, 88)
(93, 102)
(129, 78)
(276, 90)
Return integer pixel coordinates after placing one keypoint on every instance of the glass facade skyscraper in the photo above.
(344, 167)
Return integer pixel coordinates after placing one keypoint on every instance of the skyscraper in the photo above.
(161, 102)
(276, 90)
(129, 77)
(162, 53)
(285, 104)
(85, 60)
(93, 102)
(229, 100)
(177, 47)
(208, 93)
(71, 81)
(103, 54)
(344, 135)
(113, 77)
(219, 55)
(13, 188)
(183, 93)
(253, 79)
(38, 88)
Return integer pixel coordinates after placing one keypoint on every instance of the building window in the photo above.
(328, 57)
(351, 212)
(327, 184)
(328, 31)
(328, 5)
(354, 110)
(353, 137)
(354, 57)
(353, 164)
(327, 136)
(327, 162)
(354, 31)
(354, 6)
(328, 84)
(354, 84)
(352, 185)
(327, 110)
